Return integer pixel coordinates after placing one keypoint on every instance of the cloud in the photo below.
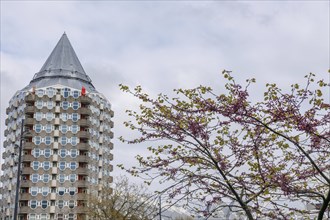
(164, 45)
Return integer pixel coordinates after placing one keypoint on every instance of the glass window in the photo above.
(36, 152)
(73, 165)
(48, 128)
(66, 92)
(43, 216)
(49, 116)
(61, 191)
(44, 204)
(62, 165)
(40, 92)
(34, 178)
(47, 152)
(48, 140)
(32, 216)
(74, 129)
(71, 204)
(76, 94)
(35, 165)
(72, 190)
(39, 104)
(62, 153)
(45, 191)
(75, 117)
(38, 128)
(61, 178)
(50, 92)
(33, 204)
(63, 140)
(50, 104)
(65, 105)
(73, 178)
(74, 141)
(46, 178)
(60, 205)
(74, 153)
(71, 216)
(37, 140)
(75, 105)
(34, 191)
(64, 116)
(38, 116)
(46, 165)
(64, 128)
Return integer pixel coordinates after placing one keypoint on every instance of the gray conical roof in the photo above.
(62, 67)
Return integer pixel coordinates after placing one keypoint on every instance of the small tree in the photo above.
(126, 201)
(225, 151)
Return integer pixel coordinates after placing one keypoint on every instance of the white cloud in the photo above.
(164, 45)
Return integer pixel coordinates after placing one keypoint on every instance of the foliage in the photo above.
(263, 159)
(126, 201)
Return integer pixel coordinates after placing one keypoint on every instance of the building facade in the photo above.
(63, 128)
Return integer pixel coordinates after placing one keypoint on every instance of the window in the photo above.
(72, 191)
(60, 205)
(36, 152)
(74, 141)
(64, 128)
(40, 92)
(33, 204)
(47, 152)
(39, 104)
(38, 128)
(61, 191)
(46, 165)
(48, 140)
(71, 204)
(35, 165)
(61, 178)
(49, 116)
(38, 116)
(74, 153)
(45, 191)
(63, 140)
(65, 105)
(62, 165)
(74, 129)
(73, 165)
(50, 92)
(34, 191)
(62, 153)
(71, 217)
(37, 140)
(66, 92)
(44, 204)
(46, 178)
(73, 178)
(48, 128)
(32, 216)
(76, 94)
(43, 216)
(50, 104)
(75, 105)
(34, 178)
(75, 117)
(64, 116)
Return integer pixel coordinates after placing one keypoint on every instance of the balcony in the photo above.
(25, 183)
(28, 146)
(85, 111)
(8, 110)
(82, 158)
(7, 121)
(111, 124)
(27, 158)
(29, 110)
(25, 210)
(82, 171)
(82, 196)
(25, 196)
(111, 113)
(83, 123)
(84, 135)
(85, 100)
(27, 170)
(81, 210)
(29, 121)
(30, 98)
(83, 146)
(82, 183)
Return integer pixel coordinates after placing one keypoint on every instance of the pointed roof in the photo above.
(62, 64)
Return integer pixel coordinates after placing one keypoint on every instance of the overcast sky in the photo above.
(164, 45)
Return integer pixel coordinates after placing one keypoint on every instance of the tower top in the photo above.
(62, 65)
